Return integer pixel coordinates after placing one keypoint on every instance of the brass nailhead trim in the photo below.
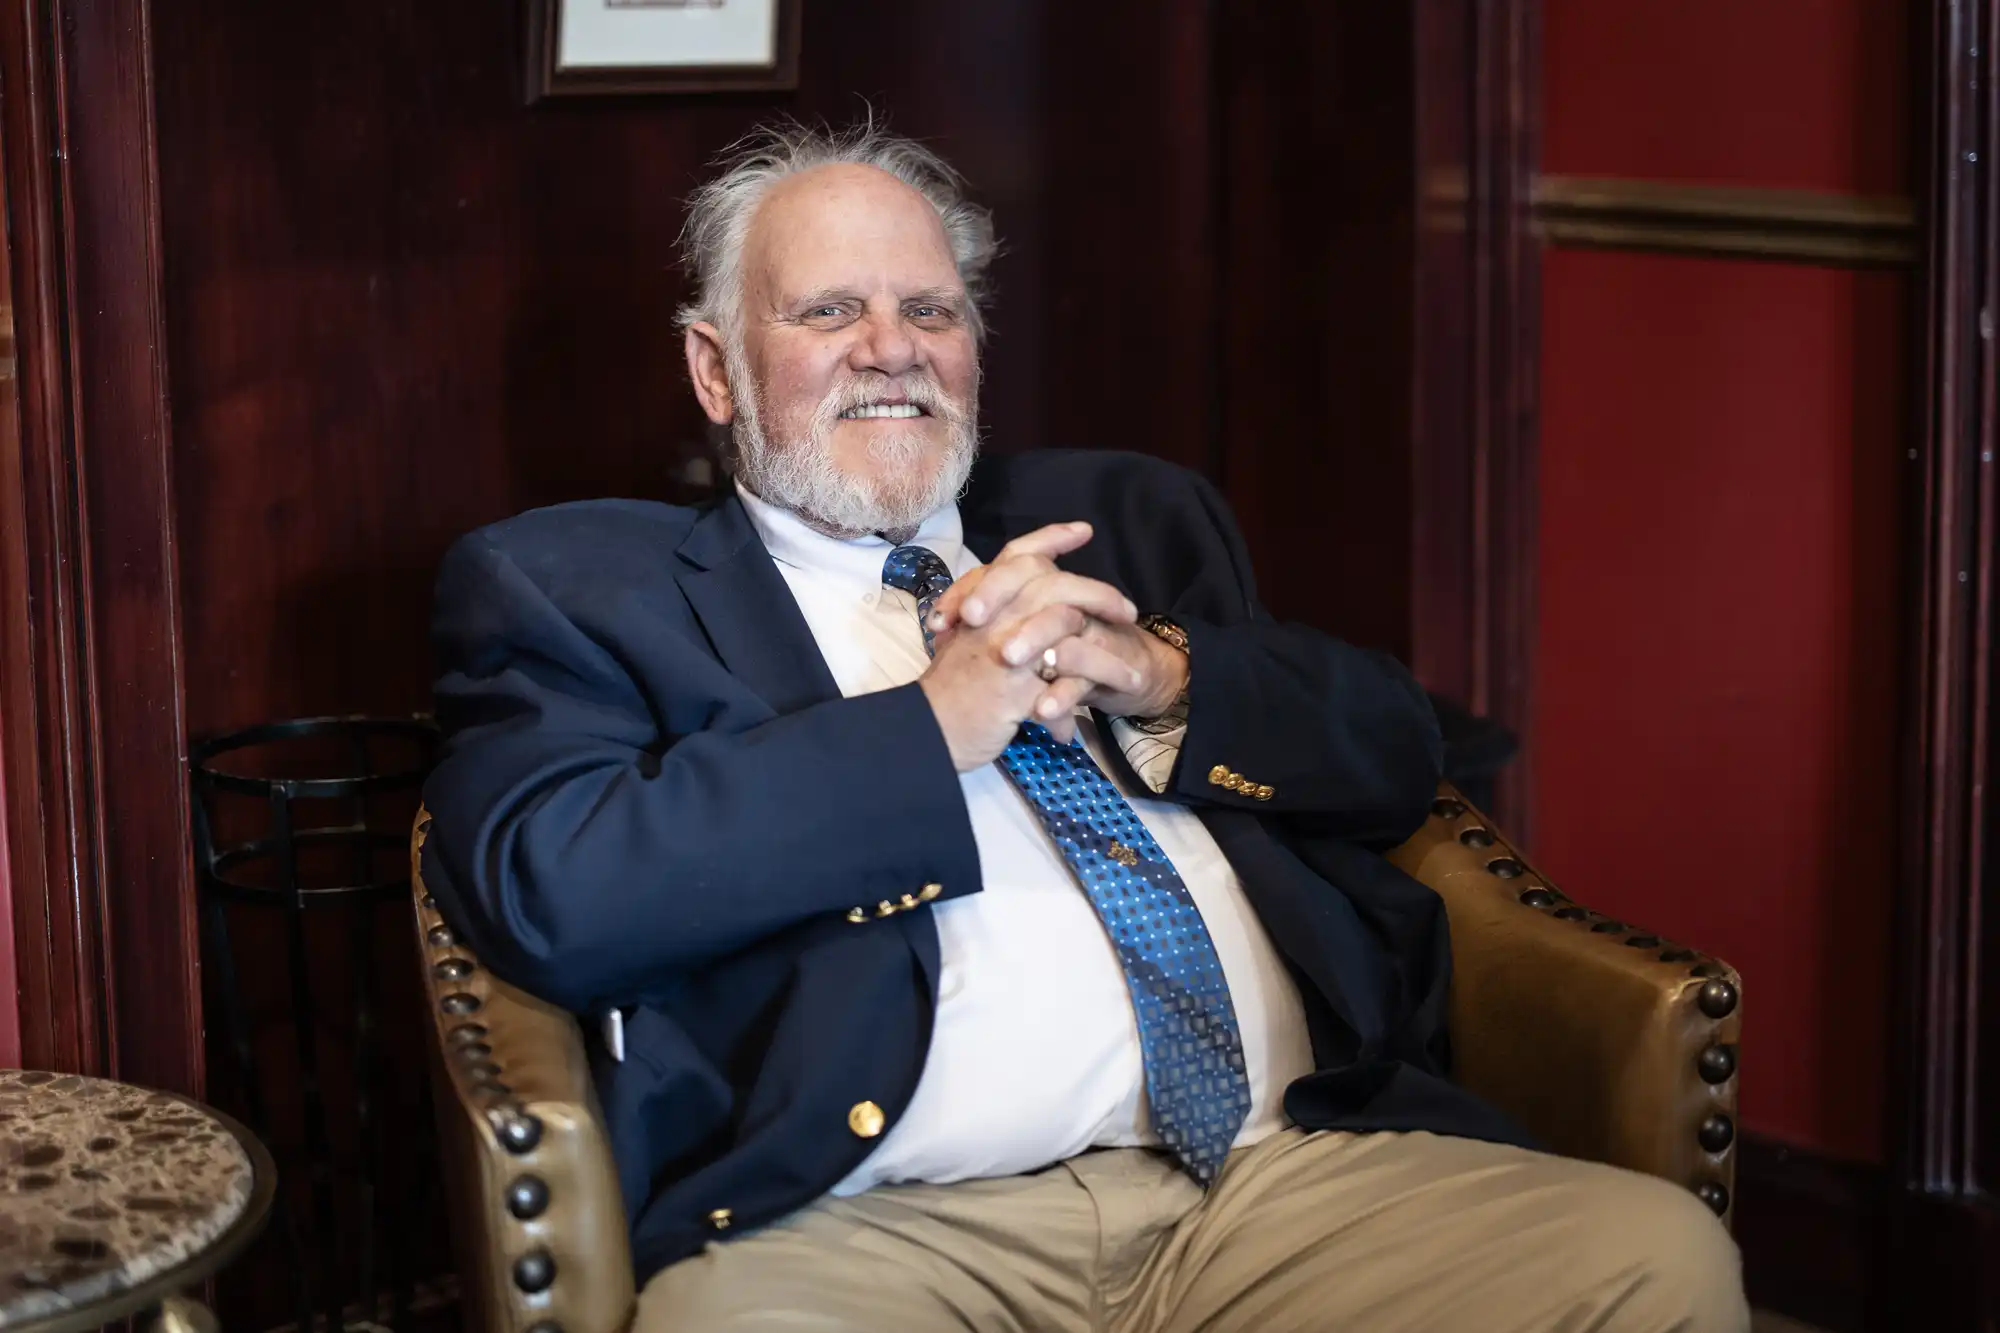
(1716, 1064)
(535, 1271)
(520, 1132)
(527, 1196)
(1717, 999)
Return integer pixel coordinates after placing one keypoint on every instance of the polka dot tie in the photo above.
(1195, 1079)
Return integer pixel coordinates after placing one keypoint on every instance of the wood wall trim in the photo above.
(1951, 574)
(1477, 298)
(54, 874)
(1799, 226)
(90, 699)
(1945, 1088)
(1506, 352)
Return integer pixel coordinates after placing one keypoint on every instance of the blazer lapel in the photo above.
(753, 622)
(749, 613)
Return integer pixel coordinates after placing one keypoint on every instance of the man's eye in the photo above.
(825, 312)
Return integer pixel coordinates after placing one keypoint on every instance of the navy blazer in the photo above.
(652, 795)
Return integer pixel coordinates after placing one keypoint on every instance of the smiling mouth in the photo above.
(883, 412)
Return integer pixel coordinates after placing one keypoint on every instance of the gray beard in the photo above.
(803, 476)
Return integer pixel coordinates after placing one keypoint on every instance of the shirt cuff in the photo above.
(1152, 745)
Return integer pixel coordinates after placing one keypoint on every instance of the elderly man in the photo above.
(973, 894)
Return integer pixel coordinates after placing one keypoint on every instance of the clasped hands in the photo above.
(992, 627)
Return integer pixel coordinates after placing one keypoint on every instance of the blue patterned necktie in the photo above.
(1193, 1052)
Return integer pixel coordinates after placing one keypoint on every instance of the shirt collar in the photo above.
(854, 562)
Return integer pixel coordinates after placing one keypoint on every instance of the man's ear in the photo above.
(708, 368)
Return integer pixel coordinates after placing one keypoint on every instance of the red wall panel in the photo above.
(1809, 94)
(1713, 739)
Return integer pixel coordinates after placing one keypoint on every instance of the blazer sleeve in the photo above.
(588, 851)
(1285, 720)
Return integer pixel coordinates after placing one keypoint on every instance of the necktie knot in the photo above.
(922, 573)
(916, 570)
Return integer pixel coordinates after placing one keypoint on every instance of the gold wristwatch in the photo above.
(1162, 628)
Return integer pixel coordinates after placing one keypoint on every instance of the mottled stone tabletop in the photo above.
(104, 1186)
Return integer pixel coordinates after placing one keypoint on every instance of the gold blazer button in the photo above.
(865, 1119)
(720, 1219)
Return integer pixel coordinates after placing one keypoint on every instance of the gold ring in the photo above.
(1048, 670)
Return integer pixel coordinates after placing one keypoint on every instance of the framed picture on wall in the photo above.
(661, 46)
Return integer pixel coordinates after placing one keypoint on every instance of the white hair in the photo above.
(720, 212)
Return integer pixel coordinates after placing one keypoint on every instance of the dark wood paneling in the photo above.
(56, 946)
(402, 304)
(12, 563)
(1498, 463)
(1946, 1141)
(97, 825)
(1318, 294)
(123, 442)
(1128, 210)
(59, 1021)
(1946, 1096)
(1838, 1245)
(1444, 579)
(1812, 1230)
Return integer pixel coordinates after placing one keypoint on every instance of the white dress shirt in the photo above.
(1035, 1053)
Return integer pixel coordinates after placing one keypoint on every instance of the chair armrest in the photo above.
(537, 1220)
(1604, 1041)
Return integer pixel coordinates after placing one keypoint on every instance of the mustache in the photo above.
(917, 388)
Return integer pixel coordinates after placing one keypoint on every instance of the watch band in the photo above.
(1175, 637)
(1162, 628)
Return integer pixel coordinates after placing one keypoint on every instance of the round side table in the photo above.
(116, 1201)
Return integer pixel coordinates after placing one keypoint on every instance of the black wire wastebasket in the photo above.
(301, 833)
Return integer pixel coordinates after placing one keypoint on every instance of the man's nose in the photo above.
(885, 345)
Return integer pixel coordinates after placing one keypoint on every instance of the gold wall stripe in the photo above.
(1801, 226)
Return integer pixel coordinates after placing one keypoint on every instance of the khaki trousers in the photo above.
(1302, 1232)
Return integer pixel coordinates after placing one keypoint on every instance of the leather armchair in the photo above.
(1605, 1041)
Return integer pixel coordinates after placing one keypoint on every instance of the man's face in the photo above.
(861, 403)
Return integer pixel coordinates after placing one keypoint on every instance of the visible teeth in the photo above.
(898, 411)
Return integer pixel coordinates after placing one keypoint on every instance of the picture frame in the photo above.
(627, 47)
